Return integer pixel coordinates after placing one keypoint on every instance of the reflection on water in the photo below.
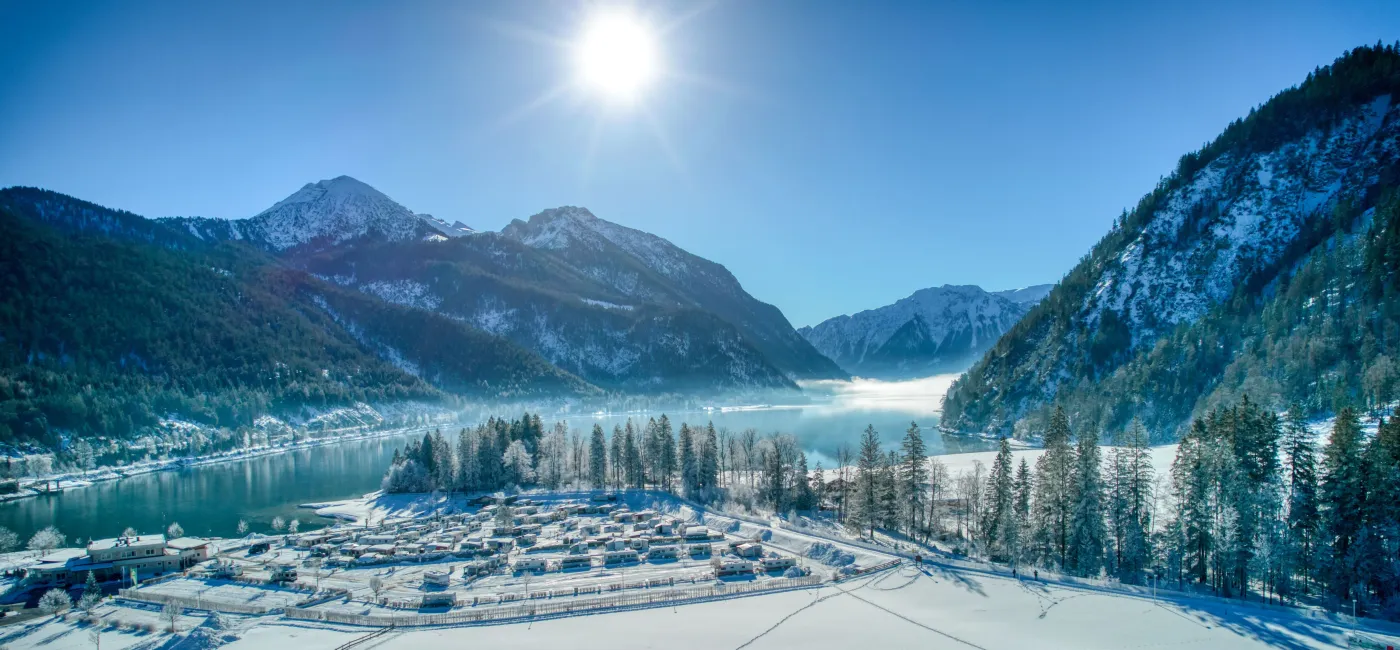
(210, 500)
(837, 414)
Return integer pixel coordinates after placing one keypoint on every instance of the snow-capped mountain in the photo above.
(619, 307)
(324, 213)
(939, 329)
(1155, 319)
(640, 266)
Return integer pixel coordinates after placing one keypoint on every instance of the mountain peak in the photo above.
(336, 210)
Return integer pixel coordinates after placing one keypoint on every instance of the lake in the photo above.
(210, 499)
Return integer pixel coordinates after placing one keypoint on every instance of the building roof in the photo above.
(117, 542)
(186, 543)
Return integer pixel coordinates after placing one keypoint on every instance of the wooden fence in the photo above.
(560, 607)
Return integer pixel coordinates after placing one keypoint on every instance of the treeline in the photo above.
(694, 461)
(1316, 325)
(1252, 506)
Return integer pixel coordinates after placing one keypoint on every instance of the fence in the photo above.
(556, 607)
(195, 602)
(869, 570)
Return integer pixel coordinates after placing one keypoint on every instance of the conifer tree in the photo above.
(597, 458)
(867, 492)
(1343, 496)
(999, 525)
(1054, 477)
(913, 477)
(1086, 536)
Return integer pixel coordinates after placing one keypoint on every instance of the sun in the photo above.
(617, 56)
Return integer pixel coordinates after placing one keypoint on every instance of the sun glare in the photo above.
(617, 56)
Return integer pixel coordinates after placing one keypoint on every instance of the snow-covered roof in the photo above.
(186, 543)
(117, 542)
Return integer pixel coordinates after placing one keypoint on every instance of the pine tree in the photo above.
(1021, 504)
(666, 448)
(1086, 535)
(617, 460)
(708, 478)
(1343, 496)
(1300, 456)
(689, 464)
(1132, 504)
(914, 477)
(468, 472)
(999, 524)
(867, 491)
(597, 458)
(1054, 478)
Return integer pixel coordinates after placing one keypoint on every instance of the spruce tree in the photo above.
(597, 458)
(1086, 535)
(1343, 497)
(999, 527)
(913, 476)
(867, 480)
(1300, 457)
(1021, 504)
(1054, 479)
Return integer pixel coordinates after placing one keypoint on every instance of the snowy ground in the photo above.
(935, 607)
(903, 608)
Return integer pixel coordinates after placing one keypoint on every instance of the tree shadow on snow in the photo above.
(1276, 628)
(958, 578)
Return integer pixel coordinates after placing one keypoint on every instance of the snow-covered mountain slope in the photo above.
(939, 329)
(642, 267)
(321, 214)
(503, 287)
(620, 307)
(1221, 237)
(1026, 295)
(454, 229)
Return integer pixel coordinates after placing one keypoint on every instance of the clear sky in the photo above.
(835, 155)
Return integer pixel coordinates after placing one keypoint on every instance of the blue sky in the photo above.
(836, 156)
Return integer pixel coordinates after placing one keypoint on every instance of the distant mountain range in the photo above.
(337, 294)
(1265, 266)
(939, 329)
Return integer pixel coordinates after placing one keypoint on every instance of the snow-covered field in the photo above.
(902, 608)
(936, 606)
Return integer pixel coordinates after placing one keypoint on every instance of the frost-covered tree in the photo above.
(9, 540)
(293, 525)
(242, 527)
(517, 464)
(174, 530)
(46, 539)
(279, 524)
(55, 601)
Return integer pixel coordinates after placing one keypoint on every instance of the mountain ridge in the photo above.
(1191, 298)
(935, 329)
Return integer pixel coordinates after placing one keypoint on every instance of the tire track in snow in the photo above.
(799, 610)
(912, 621)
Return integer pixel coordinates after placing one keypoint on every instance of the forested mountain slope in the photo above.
(503, 287)
(1263, 265)
(109, 321)
(640, 266)
(939, 329)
